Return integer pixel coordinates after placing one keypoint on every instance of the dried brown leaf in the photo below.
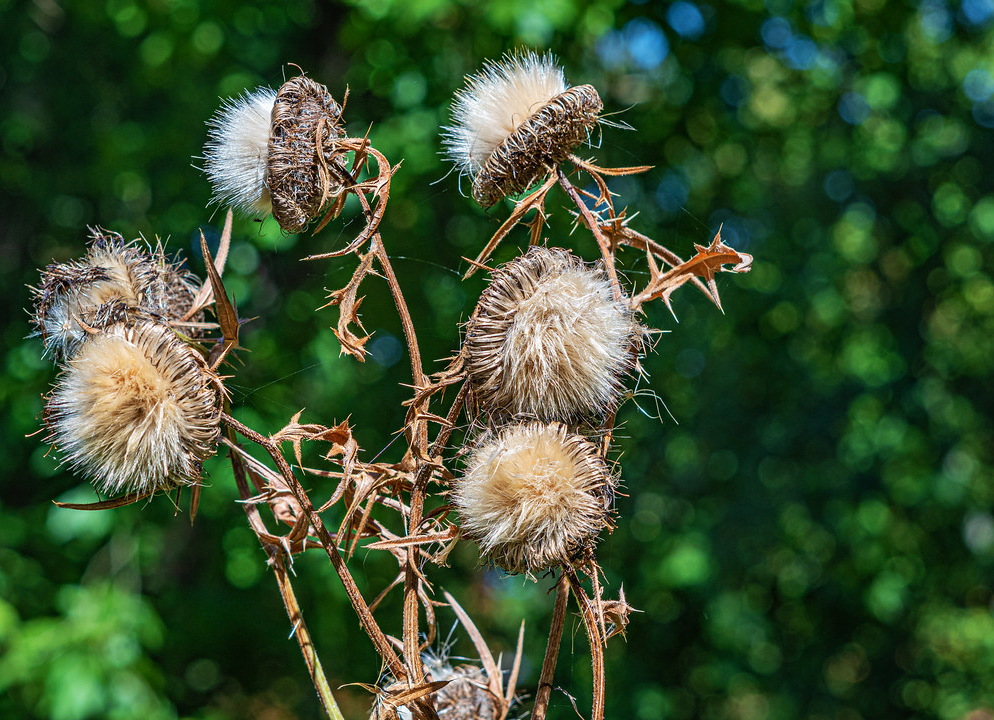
(705, 264)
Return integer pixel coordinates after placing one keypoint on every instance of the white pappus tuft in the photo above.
(237, 150)
(495, 102)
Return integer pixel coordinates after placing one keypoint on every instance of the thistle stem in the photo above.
(303, 637)
(591, 222)
(551, 650)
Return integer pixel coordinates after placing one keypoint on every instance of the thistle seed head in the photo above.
(237, 149)
(135, 410)
(515, 121)
(113, 281)
(533, 496)
(275, 152)
(466, 697)
(548, 340)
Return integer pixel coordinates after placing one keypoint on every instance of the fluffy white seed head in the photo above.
(135, 410)
(495, 102)
(548, 340)
(533, 496)
(236, 152)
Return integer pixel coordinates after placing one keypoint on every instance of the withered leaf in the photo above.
(705, 264)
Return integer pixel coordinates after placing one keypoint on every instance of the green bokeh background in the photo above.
(807, 526)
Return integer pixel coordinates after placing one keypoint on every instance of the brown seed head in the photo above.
(515, 121)
(548, 340)
(533, 496)
(114, 282)
(135, 410)
(539, 145)
(303, 169)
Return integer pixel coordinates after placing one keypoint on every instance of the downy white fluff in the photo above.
(495, 102)
(135, 410)
(237, 150)
(533, 495)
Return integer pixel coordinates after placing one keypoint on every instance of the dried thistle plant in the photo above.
(136, 409)
(539, 378)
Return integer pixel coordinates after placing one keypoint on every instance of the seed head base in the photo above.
(538, 145)
(301, 171)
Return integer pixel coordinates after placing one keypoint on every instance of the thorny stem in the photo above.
(412, 654)
(551, 650)
(594, 226)
(381, 254)
(304, 638)
(293, 611)
(369, 624)
(596, 645)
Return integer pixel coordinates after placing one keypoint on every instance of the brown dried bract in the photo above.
(304, 168)
(538, 145)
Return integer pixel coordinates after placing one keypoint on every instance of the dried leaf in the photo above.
(409, 541)
(705, 264)
(345, 298)
(106, 504)
(486, 657)
(616, 613)
(205, 296)
(227, 316)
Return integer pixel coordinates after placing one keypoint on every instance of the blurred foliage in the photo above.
(813, 537)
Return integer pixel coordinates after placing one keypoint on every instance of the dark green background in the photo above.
(812, 538)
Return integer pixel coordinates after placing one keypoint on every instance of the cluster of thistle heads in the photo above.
(547, 353)
(136, 409)
(547, 350)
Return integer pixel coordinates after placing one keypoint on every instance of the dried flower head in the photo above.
(135, 410)
(515, 121)
(274, 152)
(533, 496)
(465, 697)
(548, 339)
(176, 292)
(114, 281)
